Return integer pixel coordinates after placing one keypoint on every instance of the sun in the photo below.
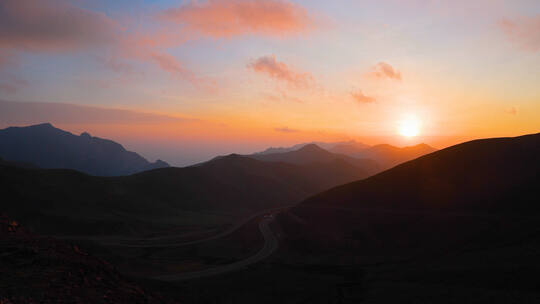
(409, 127)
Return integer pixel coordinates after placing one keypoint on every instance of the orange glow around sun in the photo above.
(409, 127)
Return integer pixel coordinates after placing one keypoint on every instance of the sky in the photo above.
(223, 76)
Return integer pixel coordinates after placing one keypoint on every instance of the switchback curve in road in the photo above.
(271, 243)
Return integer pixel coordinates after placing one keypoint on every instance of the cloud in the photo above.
(523, 31)
(55, 26)
(17, 113)
(170, 64)
(116, 64)
(383, 70)
(361, 98)
(283, 96)
(269, 66)
(230, 18)
(62, 26)
(286, 130)
(52, 25)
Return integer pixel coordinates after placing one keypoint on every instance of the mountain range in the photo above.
(224, 189)
(48, 147)
(325, 145)
(311, 153)
(385, 155)
(455, 224)
(217, 191)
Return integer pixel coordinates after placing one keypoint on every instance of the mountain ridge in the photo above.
(312, 153)
(49, 147)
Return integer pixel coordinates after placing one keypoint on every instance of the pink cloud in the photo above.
(269, 66)
(283, 96)
(169, 63)
(523, 31)
(361, 98)
(229, 18)
(51, 25)
(58, 26)
(383, 70)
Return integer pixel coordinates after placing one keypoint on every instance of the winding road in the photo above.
(170, 241)
(271, 243)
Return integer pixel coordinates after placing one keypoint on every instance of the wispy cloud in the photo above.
(51, 25)
(523, 31)
(286, 130)
(170, 64)
(60, 26)
(16, 113)
(383, 70)
(361, 98)
(282, 96)
(54, 26)
(269, 66)
(229, 18)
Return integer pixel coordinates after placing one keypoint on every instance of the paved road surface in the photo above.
(271, 243)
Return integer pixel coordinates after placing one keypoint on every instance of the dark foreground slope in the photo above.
(488, 176)
(48, 147)
(458, 225)
(44, 270)
(222, 190)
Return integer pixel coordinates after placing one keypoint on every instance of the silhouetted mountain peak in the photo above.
(162, 163)
(385, 146)
(45, 125)
(423, 146)
(312, 148)
(50, 147)
(229, 158)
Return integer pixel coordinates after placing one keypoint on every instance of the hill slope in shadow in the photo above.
(482, 175)
(61, 201)
(460, 223)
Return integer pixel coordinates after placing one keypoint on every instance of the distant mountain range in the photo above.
(228, 187)
(386, 156)
(48, 147)
(325, 145)
(313, 154)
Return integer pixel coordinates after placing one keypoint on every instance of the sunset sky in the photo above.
(215, 77)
